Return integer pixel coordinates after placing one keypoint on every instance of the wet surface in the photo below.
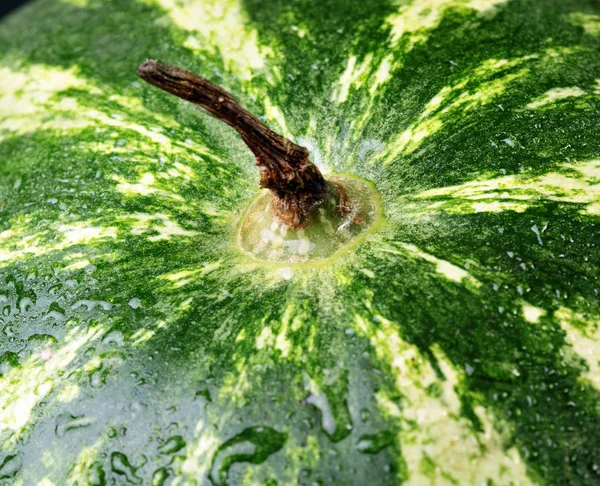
(456, 342)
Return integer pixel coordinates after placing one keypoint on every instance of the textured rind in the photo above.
(457, 344)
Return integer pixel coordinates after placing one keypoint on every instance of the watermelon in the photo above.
(453, 338)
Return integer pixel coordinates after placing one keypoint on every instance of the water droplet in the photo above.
(96, 380)
(335, 418)
(253, 445)
(25, 304)
(44, 388)
(66, 422)
(320, 402)
(121, 465)
(204, 393)
(114, 337)
(535, 229)
(373, 443)
(96, 475)
(172, 445)
(8, 361)
(135, 303)
(10, 466)
(55, 312)
(9, 330)
(160, 476)
(365, 415)
(40, 341)
(92, 304)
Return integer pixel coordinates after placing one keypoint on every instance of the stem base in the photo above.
(350, 209)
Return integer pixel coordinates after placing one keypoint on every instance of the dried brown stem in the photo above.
(297, 185)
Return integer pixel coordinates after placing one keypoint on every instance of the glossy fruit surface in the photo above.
(456, 343)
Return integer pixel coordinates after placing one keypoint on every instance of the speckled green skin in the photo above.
(452, 335)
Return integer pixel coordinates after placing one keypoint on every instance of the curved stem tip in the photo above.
(297, 185)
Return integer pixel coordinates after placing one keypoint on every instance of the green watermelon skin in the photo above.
(457, 344)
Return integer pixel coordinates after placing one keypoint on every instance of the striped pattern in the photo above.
(456, 344)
